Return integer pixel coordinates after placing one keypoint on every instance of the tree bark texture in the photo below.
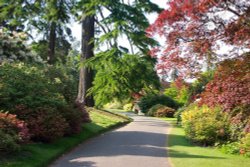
(86, 74)
(52, 43)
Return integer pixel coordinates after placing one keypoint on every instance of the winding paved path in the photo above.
(141, 143)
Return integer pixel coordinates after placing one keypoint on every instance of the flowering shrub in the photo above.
(12, 47)
(45, 124)
(205, 125)
(12, 132)
(73, 117)
(13, 126)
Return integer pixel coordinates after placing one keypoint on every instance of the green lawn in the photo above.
(182, 153)
(38, 155)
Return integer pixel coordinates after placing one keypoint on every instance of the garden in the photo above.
(189, 66)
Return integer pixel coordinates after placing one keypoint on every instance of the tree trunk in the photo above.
(52, 43)
(86, 74)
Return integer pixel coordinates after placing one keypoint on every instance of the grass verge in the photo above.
(183, 153)
(40, 154)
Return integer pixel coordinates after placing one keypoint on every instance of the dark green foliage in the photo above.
(65, 78)
(27, 85)
(8, 143)
(150, 100)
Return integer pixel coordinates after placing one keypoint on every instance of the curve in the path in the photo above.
(141, 143)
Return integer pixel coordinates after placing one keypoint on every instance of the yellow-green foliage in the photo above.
(128, 107)
(245, 145)
(205, 125)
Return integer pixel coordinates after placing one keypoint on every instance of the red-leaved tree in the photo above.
(230, 86)
(194, 30)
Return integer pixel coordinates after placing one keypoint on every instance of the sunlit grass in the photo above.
(182, 153)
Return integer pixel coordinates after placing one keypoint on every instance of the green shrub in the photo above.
(8, 143)
(205, 125)
(148, 101)
(245, 145)
(180, 95)
(27, 85)
(65, 80)
(151, 112)
(128, 107)
(231, 148)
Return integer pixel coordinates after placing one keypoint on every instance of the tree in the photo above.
(119, 20)
(47, 17)
(229, 88)
(86, 74)
(195, 29)
(119, 75)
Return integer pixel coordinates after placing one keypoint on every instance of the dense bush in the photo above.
(165, 112)
(160, 110)
(148, 101)
(74, 117)
(12, 132)
(65, 79)
(27, 85)
(205, 125)
(151, 112)
(245, 145)
(45, 124)
(8, 143)
(13, 126)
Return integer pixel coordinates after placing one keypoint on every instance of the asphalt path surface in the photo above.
(142, 143)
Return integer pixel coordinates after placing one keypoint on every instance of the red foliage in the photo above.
(45, 124)
(193, 28)
(10, 124)
(230, 86)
